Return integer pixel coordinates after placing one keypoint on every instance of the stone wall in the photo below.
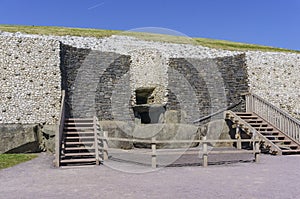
(275, 77)
(200, 87)
(148, 69)
(30, 80)
(18, 138)
(104, 83)
(91, 79)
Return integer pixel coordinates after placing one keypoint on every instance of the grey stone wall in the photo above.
(199, 87)
(30, 80)
(103, 83)
(90, 81)
(18, 138)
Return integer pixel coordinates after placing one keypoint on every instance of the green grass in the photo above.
(9, 160)
(88, 32)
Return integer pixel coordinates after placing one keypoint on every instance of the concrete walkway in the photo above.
(274, 177)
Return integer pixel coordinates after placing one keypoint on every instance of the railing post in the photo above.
(238, 136)
(153, 147)
(249, 103)
(256, 148)
(96, 140)
(205, 153)
(59, 131)
(105, 145)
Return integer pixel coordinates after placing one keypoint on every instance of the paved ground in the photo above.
(274, 177)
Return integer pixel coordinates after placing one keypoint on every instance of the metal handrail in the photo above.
(274, 115)
(217, 112)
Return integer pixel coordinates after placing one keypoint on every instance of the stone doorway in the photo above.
(145, 110)
(149, 114)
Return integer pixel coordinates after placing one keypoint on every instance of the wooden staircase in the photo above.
(79, 146)
(274, 141)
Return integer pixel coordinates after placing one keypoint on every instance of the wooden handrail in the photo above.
(59, 131)
(275, 116)
(251, 131)
(95, 125)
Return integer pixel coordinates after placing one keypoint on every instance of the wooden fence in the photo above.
(275, 116)
(103, 147)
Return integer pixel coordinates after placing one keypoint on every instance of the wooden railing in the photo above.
(96, 133)
(240, 124)
(60, 129)
(275, 116)
(203, 150)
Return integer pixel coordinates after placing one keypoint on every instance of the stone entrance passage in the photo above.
(145, 110)
(144, 96)
(149, 114)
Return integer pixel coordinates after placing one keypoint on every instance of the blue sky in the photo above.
(266, 22)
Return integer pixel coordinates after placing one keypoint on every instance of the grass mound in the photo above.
(88, 32)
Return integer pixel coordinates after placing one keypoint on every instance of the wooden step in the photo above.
(78, 148)
(77, 128)
(259, 125)
(264, 128)
(77, 143)
(78, 132)
(281, 140)
(68, 138)
(270, 133)
(286, 145)
(79, 119)
(243, 114)
(79, 154)
(274, 136)
(249, 117)
(254, 121)
(79, 124)
(78, 160)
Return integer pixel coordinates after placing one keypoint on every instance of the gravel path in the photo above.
(274, 177)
